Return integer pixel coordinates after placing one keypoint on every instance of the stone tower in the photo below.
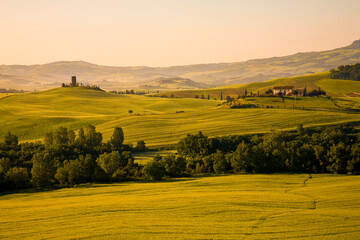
(73, 81)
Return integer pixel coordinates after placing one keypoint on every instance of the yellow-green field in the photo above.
(155, 120)
(144, 157)
(278, 206)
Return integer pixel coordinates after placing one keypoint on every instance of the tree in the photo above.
(114, 161)
(4, 165)
(221, 165)
(117, 138)
(17, 177)
(60, 137)
(338, 158)
(130, 111)
(240, 159)
(87, 168)
(88, 138)
(154, 170)
(221, 96)
(63, 85)
(193, 145)
(71, 136)
(174, 166)
(245, 94)
(11, 140)
(354, 162)
(140, 146)
(208, 97)
(43, 170)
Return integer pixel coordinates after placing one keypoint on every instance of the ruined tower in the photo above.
(73, 81)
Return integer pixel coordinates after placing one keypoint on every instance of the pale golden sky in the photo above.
(171, 32)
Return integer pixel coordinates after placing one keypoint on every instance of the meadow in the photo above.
(254, 206)
(154, 119)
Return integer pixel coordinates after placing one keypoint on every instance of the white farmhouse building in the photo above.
(285, 90)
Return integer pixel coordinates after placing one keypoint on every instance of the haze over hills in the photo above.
(51, 75)
(173, 83)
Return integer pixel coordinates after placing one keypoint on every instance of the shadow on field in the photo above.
(108, 184)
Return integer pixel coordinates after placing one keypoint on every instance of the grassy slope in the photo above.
(31, 115)
(314, 81)
(226, 207)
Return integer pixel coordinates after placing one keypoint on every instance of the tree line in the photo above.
(318, 150)
(347, 72)
(66, 158)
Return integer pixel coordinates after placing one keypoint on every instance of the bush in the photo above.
(17, 178)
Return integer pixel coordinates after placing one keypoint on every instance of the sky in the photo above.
(171, 32)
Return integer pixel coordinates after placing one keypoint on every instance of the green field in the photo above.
(155, 120)
(278, 206)
(144, 157)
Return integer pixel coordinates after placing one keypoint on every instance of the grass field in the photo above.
(278, 206)
(155, 120)
(144, 157)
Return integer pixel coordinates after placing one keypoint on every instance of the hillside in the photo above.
(173, 83)
(53, 74)
(333, 87)
(154, 120)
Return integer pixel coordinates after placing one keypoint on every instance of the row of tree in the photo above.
(69, 158)
(347, 72)
(319, 150)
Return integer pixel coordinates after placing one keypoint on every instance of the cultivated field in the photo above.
(155, 120)
(278, 206)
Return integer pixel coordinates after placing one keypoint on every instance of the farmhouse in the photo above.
(2, 90)
(285, 90)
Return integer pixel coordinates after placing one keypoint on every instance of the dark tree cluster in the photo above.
(170, 166)
(67, 158)
(347, 72)
(130, 92)
(320, 150)
(95, 87)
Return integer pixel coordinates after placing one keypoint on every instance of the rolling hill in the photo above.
(173, 83)
(50, 75)
(154, 120)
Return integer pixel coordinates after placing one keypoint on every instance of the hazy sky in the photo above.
(171, 32)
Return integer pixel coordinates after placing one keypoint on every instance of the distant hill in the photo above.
(173, 83)
(53, 74)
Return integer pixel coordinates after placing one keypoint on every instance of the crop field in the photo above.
(155, 120)
(276, 206)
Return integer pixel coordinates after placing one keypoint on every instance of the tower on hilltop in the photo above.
(73, 81)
